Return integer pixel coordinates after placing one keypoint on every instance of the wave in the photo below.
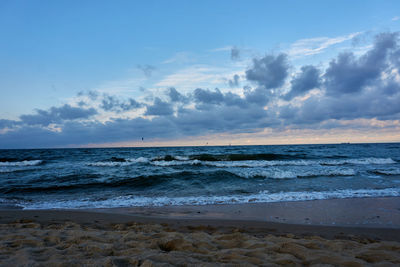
(229, 157)
(388, 172)
(114, 162)
(266, 163)
(21, 163)
(260, 197)
(143, 181)
(274, 173)
(164, 163)
(243, 157)
(238, 160)
(361, 161)
(168, 179)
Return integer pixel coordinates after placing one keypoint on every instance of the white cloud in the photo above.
(196, 76)
(395, 18)
(222, 49)
(312, 46)
(180, 57)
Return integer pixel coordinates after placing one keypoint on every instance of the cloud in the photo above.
(159, 108)
(258, 96)
(91, 94)
(364, 89)
(147, 70)
(195, 76)
(207, 96)
(57, 115)
(368, 105)
(307, 79)
(204, 98)
(312, 46)
(235, 81)
(395, 59)
(349, 74)
(235, 53)
(269, 71)
(221, 49)
(396, 18)
(175, 96)
(180, 58)
(7, 123)
(111, 103)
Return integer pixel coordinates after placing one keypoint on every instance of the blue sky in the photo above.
(101, 73)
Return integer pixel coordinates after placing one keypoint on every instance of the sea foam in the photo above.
(20, 163)
(260, 197)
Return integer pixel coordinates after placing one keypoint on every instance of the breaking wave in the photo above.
(261, 197)
(266, 163)
(21, 163)
(275, 173)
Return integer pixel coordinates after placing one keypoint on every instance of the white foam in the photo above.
(268, 163)
(181, 158)
(261, 197)
(139, 160)
(165, 163)
(118, 163)
(21, 163)
(109, 164)
(362, 161)
(275, 173)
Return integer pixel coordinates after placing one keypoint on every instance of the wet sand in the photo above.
(350, 232)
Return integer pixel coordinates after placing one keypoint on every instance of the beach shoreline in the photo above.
(370, 217)
(205, 235)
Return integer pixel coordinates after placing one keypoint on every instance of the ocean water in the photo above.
(120, 177)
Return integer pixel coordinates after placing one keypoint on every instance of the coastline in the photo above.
(370, 217)
(276, 232)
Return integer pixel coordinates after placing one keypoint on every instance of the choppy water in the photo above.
(117, 177)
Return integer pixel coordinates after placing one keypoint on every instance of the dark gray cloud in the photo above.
(395, 58)
(235, 53)
(7, 123)
(380, 102)
(208, 97)
(159, 108)
(231, 99)
(391, 87)
(269, 71)
(111, 103)
(188, 123)
(235, 81)
(147, 70)
(306, 80)
(349, 74)
(204, 98)
(259, 96)
(354, 88)
(57, 115)
(175, 96)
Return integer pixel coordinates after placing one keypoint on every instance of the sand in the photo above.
(206, 235)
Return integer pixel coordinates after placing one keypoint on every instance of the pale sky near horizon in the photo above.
(107, 73)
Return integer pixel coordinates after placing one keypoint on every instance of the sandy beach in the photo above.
(364, 232)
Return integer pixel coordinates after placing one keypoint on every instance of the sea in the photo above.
(85, 178)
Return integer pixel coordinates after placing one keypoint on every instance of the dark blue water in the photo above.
(117, 177)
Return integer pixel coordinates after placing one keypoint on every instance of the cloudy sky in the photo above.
(109, 73)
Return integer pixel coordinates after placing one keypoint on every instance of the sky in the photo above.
(172, 73)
